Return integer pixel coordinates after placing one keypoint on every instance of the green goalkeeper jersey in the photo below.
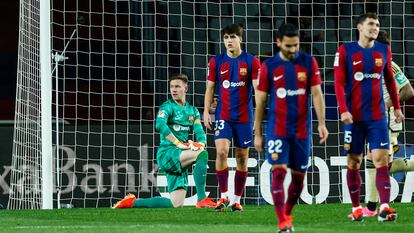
(182, 121)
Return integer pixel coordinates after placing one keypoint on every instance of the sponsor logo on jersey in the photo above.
(217, 132)
(181, 128)
(243, 71)
(359, 76)
(378, 62)
(302, 76)
(282, 92)
(227, 84)
(161, 114)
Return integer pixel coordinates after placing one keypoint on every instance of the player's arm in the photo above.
(319, 105)
(208, 96)
(339, 83)
(392, 88)
(260, 99)
(406, 92)
(255, 72)
(390, 82)
(199, 134)
(318, 101)
(161, 126)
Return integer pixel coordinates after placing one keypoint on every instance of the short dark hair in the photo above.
(182, 77)
(369, 15)
(288, 30)
(233, 29)
(383, 37)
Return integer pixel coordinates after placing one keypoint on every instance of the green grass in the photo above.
(307, 218)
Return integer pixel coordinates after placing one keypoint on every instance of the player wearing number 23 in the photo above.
(234, 72)
(290, 78)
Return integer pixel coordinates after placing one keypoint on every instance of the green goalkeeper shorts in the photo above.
(168, 159)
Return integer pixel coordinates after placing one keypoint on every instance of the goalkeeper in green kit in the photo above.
(175, 121)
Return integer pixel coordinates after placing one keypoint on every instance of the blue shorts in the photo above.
(374, 132)
(293, 152)
(242, 133)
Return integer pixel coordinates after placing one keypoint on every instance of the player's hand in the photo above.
(258, 142)
(346, 118)
(399, 117)
(181, 145)
(323, 134)
(207, 120)
(196, 146)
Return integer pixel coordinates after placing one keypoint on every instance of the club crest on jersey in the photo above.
(275, 156)
(378, 62)
(347, 146)
(161, 114)
(302, 76)
(243, 71)
(190, 118)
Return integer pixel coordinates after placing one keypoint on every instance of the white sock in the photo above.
(384, 205)
(225, 195)
(236, 199)
(355, 208)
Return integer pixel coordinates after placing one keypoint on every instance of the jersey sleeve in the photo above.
(212, 74)
(340, 78)
(199, 134)
(389, 81)
(255, 68)
(263, 81)
(399, 76)
(316, 74)
(161, 120)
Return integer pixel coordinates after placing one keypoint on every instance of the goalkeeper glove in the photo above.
(195, 146)
(182, 146)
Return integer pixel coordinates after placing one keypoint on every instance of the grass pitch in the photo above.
(307, 218)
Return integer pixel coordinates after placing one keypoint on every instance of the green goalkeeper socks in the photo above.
(200, 175)
(153, 202)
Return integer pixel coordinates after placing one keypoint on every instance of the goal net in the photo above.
(115, 77)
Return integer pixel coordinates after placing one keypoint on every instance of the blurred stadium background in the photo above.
(116, 75)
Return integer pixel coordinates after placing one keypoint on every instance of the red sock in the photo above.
(239, 182)
(222, 179)
(278, 193)
(383, 184)
(294, 191)
(354, 185)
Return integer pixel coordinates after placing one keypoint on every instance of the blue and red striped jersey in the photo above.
(234, 77)
(359, 73)
(288, 84)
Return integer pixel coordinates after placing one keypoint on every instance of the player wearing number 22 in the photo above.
(290, 78)
(360, 68)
